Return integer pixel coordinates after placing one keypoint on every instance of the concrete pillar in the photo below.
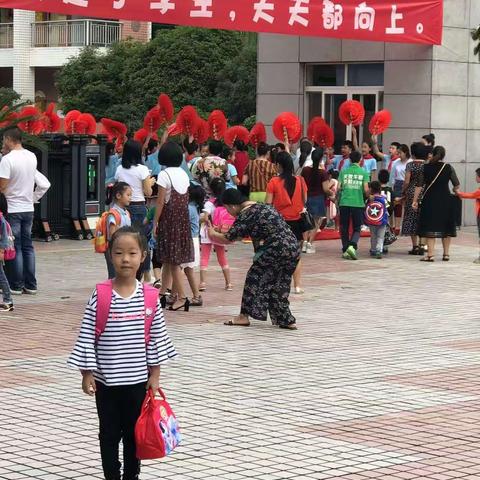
(23, 74)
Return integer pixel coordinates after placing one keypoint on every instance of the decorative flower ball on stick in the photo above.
(235, 133)
(313, 126)
(258, 134)
(380, 122)
(352, 112)
(187, 120)
(33, 123)
(287, 128)
(218, 124)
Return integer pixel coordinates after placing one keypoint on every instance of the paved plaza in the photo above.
(381, 381)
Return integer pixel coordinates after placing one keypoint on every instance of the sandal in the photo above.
(292, 326)
(232, 323)
(446, 258)
(229, 287)
(157, 284)
(196, 301)
(202, 287)
(428, 259)
(415, 251)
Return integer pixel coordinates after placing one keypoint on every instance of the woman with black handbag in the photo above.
(288, 195)
(437, 205)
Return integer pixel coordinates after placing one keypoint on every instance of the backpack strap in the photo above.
(151, 301)
(104, 300)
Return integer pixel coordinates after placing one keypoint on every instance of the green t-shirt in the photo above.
(352, 180)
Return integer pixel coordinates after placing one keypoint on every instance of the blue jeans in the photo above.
(21, 271)
(7, 296)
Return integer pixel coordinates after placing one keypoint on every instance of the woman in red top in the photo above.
(288, 194)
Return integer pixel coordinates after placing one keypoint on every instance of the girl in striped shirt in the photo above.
(121, 363)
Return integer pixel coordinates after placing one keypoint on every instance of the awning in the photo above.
(404, 21)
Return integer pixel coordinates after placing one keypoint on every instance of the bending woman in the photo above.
(267, 285)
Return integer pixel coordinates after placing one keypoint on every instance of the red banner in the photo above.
(405, 21)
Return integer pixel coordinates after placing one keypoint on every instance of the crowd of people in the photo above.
(171, 204)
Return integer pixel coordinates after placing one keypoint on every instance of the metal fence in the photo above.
(6, 35)
(75, 33)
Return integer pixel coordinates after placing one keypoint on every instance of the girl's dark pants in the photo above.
(118, 411)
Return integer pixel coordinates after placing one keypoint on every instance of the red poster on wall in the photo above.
(405, 21)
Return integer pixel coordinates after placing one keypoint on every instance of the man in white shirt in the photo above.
(22, 185)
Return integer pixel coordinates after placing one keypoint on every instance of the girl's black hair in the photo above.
(305, 150)
(430, 139)
(420, 151)
(384, 176)
(317, 156)
(404, 148)
(240, 145)
(217, 185)
(132, 154)
(170, 155)
(289, 180)
(226, 153)
(114, 190)
(197, 195)
(110, 150)
(232, 196)
(274, 150)
(140, 237)
(439, 154)
(152, 146)
(262, 149)
(334, 174)
(190, 147)
(3, 204)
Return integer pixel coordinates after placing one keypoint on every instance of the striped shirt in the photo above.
(120, 356)
(260, 172)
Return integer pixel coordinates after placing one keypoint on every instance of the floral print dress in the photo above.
(267, 286)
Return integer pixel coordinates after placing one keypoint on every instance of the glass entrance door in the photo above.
(326, 104)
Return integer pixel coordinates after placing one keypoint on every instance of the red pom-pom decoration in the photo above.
(142, 135)
(235, 133)
(202, 131)
(33, 123)
(218, 124)
(152, 120)
(8, 115)
(51, 120)
(287, 128)
(70, 119)
(351, 112)
(258, 134)
(314, 124)
(85, 124)
(165, 106)
(187, 120)
(114, 129)
(324, 136)
(173, 130)
(380, 122)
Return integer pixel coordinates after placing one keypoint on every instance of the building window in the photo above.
(366, 74)
(343, 75)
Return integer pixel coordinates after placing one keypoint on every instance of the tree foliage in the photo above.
(8, 97)
(205, 68)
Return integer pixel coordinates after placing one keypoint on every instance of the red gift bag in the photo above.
(157, 432)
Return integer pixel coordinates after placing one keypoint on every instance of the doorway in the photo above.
(325, 102)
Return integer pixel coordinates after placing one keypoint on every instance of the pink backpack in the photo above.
(222, 220)
(104, 300)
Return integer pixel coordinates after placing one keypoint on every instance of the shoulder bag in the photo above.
(307, 222)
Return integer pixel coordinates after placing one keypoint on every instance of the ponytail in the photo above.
(114, 190)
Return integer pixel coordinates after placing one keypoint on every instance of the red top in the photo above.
(289, 208)
(314, 184)
(241, 162)
(474, 195)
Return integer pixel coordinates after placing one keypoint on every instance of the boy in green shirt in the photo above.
(353, 188)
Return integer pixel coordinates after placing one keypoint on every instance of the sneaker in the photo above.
(6, 307)
(16, 292)
(352, 252)
(346, 256)
(30, 291)
(304, 247)
(310, 248)
(477, 261)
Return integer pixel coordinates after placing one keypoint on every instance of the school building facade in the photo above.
(427, 88)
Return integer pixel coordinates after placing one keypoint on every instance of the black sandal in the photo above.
(428, 259)
(446, 258)
(196, 301)
(414, 251)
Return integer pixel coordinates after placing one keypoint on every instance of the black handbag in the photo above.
(390, 237)
(307, 222)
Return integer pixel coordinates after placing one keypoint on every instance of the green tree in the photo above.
(237, 83)
(124, 83)
(8, 97)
